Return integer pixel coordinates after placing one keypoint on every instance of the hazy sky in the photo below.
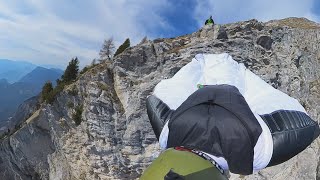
(54, 31)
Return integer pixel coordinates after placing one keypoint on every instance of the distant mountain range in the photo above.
(12, 71)
(12, 95)
(40, 75)
(20, 81)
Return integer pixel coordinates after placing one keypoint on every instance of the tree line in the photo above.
(108, 47)
(107, 52)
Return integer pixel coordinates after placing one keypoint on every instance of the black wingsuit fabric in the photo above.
(159, 113)
(217, 120)
(292, 132)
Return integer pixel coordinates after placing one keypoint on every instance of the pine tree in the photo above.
(123, 47)
(71, 71)
(77, 115)
(107, 50)
(46, 93)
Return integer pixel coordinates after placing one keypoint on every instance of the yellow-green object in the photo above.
(200, 86)
(188, 165)
(210, 21)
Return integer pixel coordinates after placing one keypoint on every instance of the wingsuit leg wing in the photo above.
(159, 113)
(292, 132)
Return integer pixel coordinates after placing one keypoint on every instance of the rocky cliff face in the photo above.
(115, 139)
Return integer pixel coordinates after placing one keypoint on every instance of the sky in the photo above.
(54, 31)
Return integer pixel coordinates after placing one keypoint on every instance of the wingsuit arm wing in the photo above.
(291, 128)
(159, 113)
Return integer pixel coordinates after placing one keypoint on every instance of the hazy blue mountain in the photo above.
(14, 70)
(23, 112)
(40, 75)
(52, 66)
(12, 95)
(60, 71)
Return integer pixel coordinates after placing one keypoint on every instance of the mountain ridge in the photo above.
(14, 70)
(40, 75)
(28, 86)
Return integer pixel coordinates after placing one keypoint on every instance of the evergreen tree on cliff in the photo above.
(71, 71)
(46, 94)
(123, 47)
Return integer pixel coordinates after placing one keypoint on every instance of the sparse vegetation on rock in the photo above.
(49, 93)
(123, 47)
(77, 115)
(71, 72)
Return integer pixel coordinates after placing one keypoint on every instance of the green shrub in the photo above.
(85, 69)
(77, 115)
(123, 47)
(46, 93)
(53, 94)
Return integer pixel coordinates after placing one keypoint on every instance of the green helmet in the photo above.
(181, 165)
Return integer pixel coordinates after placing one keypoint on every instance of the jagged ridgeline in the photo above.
(97, 127)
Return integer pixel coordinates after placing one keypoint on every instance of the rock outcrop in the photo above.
(115, 139)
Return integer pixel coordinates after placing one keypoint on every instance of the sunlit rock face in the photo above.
(115, 139)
